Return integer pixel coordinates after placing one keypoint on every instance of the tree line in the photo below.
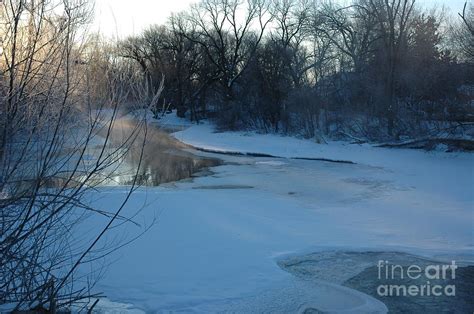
(372, 69)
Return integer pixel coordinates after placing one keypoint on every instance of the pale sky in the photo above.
(127, 17)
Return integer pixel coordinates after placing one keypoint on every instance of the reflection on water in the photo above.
(164, 159)
(161, 165)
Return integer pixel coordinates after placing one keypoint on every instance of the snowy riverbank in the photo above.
(219, 237)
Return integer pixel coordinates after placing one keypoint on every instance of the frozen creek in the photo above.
(221, 240)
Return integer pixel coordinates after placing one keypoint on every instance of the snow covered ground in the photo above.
(217, 238)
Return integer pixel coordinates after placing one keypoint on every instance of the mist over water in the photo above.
(160, 157)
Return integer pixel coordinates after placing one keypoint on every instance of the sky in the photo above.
(125, 17)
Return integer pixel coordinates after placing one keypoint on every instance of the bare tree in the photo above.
(291, 20)
(50, 123)
(226, 37)
(393, 17)
(467, 18)
(351, 29)
(134, 48)
(464, 33)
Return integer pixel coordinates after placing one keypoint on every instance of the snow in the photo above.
(218, 238)
(214, 250)
(172, 120)
(106, 306)
(444, 176)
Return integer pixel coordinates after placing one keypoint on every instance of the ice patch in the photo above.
(271, 163)
(106, 306)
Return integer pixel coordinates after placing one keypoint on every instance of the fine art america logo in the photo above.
(415, 280)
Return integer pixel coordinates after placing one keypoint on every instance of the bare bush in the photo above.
(57, 142)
